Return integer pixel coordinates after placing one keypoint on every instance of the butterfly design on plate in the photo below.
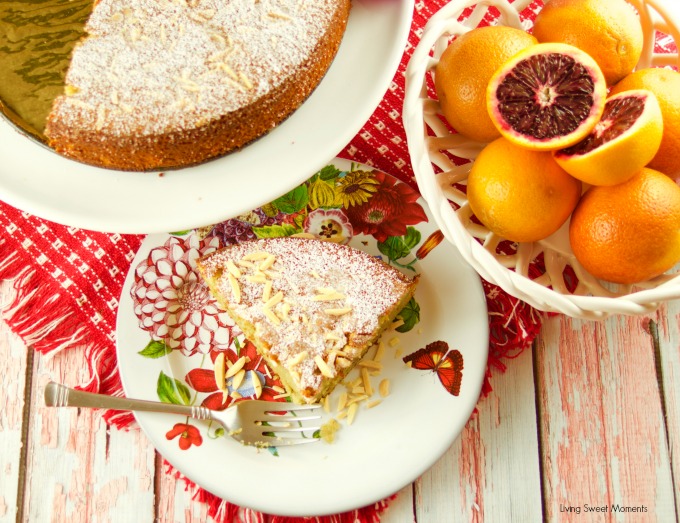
(448, 364)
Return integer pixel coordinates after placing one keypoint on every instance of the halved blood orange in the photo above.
(547, 97)
(624, 140)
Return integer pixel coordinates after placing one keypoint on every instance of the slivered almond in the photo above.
(329, 297)
(315, 274)
(255, 256)
(272, 274)
(285, 311)
(367, 381)
(233, 269)
(237, 380)
(371, 364)
(257, 384)
(219, 370)
(279, 389)
(396, 324)
(274, 300)
(280, 16)
(236, 395)
(357, 399)
(323, 367)
(267, 263)
(338, 312)
(384, 388)
(342, 401)
(256, 278)
(282, 395)
(327, 404)
(271, 315)
(332, 336)
(331, 359)
(393, 342)
(267, 291)
(299, 358)
(235, 367)
(235, 288)
(343, 362)
(373, 403)
(245, 263)
(245, 80)
(351, 413)
(379, 352)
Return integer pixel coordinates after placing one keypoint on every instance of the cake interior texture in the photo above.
(312, 308)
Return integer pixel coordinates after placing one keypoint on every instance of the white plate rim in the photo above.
(37, 180)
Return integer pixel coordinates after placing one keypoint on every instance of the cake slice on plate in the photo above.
(312, 308)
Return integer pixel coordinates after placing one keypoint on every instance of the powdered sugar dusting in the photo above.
(332, 295)
(155, 66)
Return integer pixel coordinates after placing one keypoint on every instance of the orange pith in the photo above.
(464, 70)
(547, 97)
(665, 84)
(630, 232)
(624, 140)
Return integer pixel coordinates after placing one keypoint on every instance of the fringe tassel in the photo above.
(40, 314)
(37, 312)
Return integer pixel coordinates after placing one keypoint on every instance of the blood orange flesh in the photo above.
(547, 97)
(624, 140)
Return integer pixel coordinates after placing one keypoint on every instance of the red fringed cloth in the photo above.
(67, 281)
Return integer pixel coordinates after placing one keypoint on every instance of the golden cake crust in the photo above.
(156, 88)
(312, 310)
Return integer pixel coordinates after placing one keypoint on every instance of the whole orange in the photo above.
(665, 84)
(608, 30)
(464, 71)
(520, 194)
(630, 232)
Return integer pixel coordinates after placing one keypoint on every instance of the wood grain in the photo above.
(590, 416)
(602, 422)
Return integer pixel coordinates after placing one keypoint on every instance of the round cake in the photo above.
(162, 84)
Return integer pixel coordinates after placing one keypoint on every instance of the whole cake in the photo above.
(312, 308)
(161, 84)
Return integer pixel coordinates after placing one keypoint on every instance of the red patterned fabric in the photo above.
(67, 282)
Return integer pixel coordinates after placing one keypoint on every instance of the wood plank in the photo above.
(602, 424)
(668, 362)
(13, 368)
(78, 469)
(492, 469)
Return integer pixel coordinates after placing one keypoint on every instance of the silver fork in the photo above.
(252, 422)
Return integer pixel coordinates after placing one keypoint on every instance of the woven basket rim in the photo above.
(419, 117)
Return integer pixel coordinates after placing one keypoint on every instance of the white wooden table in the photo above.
(590, 418)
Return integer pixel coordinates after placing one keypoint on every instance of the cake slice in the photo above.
(312, 308)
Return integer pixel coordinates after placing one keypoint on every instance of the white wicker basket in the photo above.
(431, 144)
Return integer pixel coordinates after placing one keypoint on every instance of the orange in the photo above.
(547, 96)
(665, 84)
(624, 140)
(609, 31)
(520, 194)
(464, 70)
(630, 232)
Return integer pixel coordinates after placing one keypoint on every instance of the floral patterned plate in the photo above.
(170, 331)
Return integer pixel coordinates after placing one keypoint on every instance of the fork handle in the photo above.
(58, 395)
